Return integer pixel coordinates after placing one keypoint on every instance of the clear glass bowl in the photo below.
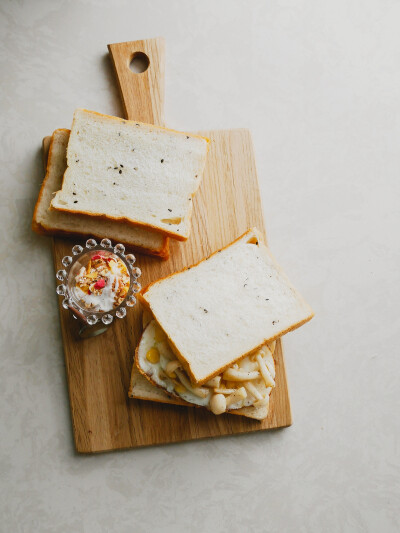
(95, 321)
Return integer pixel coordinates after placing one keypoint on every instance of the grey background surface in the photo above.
(318, 84)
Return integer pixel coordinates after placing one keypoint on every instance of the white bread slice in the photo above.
(51, 222)
(138, 173)
(225, 307)
(142, 389)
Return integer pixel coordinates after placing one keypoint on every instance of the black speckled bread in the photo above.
(226, 306)
(51, 222)
(140, 174)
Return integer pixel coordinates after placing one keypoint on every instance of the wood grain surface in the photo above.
(99, 369)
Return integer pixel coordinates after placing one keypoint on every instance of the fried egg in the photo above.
(246, 383)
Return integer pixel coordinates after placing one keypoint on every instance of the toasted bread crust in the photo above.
(179, 355)
(145, 289)
(158, 400)
(163, 253)
(124, 120)
(35, 223)
(124, 220)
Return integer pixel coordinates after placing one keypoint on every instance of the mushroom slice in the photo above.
(213, 382)
(237, 396)
(171, 367)
(224, 391)
(261, 403)
(198, 391)
(269, 381)
(248, 385)
(233, 374)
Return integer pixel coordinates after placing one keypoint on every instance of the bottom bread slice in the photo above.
(64, 224)
(141, 389)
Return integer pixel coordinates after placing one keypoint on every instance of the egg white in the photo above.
(153, 337)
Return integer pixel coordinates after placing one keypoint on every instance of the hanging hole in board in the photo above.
(139, 63)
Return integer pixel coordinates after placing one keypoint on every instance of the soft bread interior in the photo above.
(133, 172)
(243, 389)
(238, 289)
(53, 222)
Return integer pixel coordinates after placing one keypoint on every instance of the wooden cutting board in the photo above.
(99, 369)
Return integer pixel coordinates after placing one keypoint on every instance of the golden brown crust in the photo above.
(145, 289)
(162, 253)
(179, 355)
(124, 120)
(35, 223)
(131, 222)
(265, 341)
(186, 365)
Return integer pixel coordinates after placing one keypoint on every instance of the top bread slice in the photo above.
(123, 170)
(51, 222)
(225, 307)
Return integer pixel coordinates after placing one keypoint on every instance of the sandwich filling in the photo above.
(247, 383)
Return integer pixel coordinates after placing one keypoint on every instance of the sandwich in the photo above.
(51, 222)
(135, 173)
(210, 330)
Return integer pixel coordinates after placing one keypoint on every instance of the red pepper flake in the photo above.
(100, 284)
(96, 257)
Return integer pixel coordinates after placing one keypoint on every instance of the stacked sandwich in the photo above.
(210, 331)
(128, 181)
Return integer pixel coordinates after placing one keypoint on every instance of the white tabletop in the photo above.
(318, 84)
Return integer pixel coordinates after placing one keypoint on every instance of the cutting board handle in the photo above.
(142, 93)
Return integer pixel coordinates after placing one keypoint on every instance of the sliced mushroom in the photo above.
(237, 396)
(248, 385)
(233, 374)
(214, 382)
(198, 391)
(224, 391)
(171, 367)
(262, 402)
(269, 381)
